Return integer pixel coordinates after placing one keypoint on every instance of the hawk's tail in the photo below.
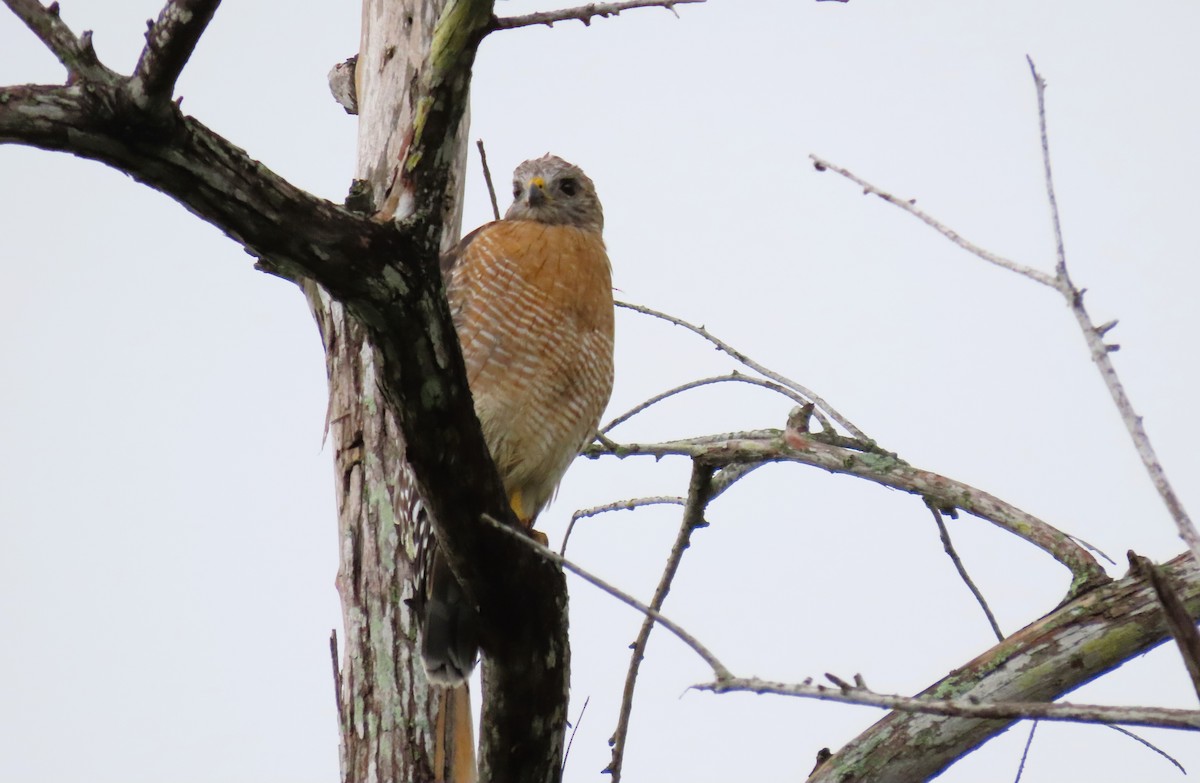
(449, 626)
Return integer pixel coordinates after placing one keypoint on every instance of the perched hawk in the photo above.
(531, 297)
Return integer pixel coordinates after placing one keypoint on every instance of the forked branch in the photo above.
(1060, 281)
(583, 13)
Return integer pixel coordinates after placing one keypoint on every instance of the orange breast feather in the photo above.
(533, 308)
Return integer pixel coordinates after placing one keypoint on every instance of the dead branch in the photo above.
(948, 545)
(1061, 282)
(75, 53)
(742, 358)
(487, 178)
(1101, 350)
(910, 206)
(888, 470)
(617, 505)
(719, 670)
(732, 377)
(170, 42)
(1157, 717)
(1079, 641)
(699, 493)
(584, 13)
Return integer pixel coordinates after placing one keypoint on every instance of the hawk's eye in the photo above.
(569, 187)
(516, 190)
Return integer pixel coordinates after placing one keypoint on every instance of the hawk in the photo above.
(531, 298)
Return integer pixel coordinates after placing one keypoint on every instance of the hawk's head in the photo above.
(550, 190)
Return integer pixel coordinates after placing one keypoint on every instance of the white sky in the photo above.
(167, 533)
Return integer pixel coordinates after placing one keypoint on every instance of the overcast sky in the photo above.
(167, 529)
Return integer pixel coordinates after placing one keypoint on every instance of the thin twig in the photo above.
(1101, 350)
(1093, 549)
(719, 669)
(617, 505)
(948, 545)
(699, 490)
(584, 13)
(75, 53)
(1148, 744)
(1025, 753)
(753, 365)
(487, 177)
(170, 42)
(1156, 717)
(909, 206)
(1179, 621)
(733, 377)
(574, 730)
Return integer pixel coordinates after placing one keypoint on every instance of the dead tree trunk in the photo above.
(394, 725)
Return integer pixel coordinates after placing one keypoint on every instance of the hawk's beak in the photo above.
(537, 192)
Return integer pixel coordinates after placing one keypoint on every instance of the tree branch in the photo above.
(733, 377)
(1100, 351)
(887, 470)
(737, 355)
(584, 13)
(909, 206)
(719, 669)
(617, 505)
(1078, 642)
(1158, 717)
(1061, 282)
(948, 546)
(76, 54)
(170, 42)
(699, 492)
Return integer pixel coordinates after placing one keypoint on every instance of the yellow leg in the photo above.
(514, 501)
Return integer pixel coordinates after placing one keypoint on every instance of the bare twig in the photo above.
(733, 377)
(1101, 350)
(719, 670)
(1157, 717)
(699, 490)
(1093, 549)
(487, 177)
(76, 54)
(1178, 620)
(584, 13)
(170, 42)
(725, 348)
(1025, 753)
(617, 505)
(887, 470)
(574, 730)
(948, 545)
(909, 206)
(1149, 745)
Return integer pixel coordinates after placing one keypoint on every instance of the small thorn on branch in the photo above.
(1105, 328)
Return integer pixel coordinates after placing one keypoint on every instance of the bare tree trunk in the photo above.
(394, 725)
